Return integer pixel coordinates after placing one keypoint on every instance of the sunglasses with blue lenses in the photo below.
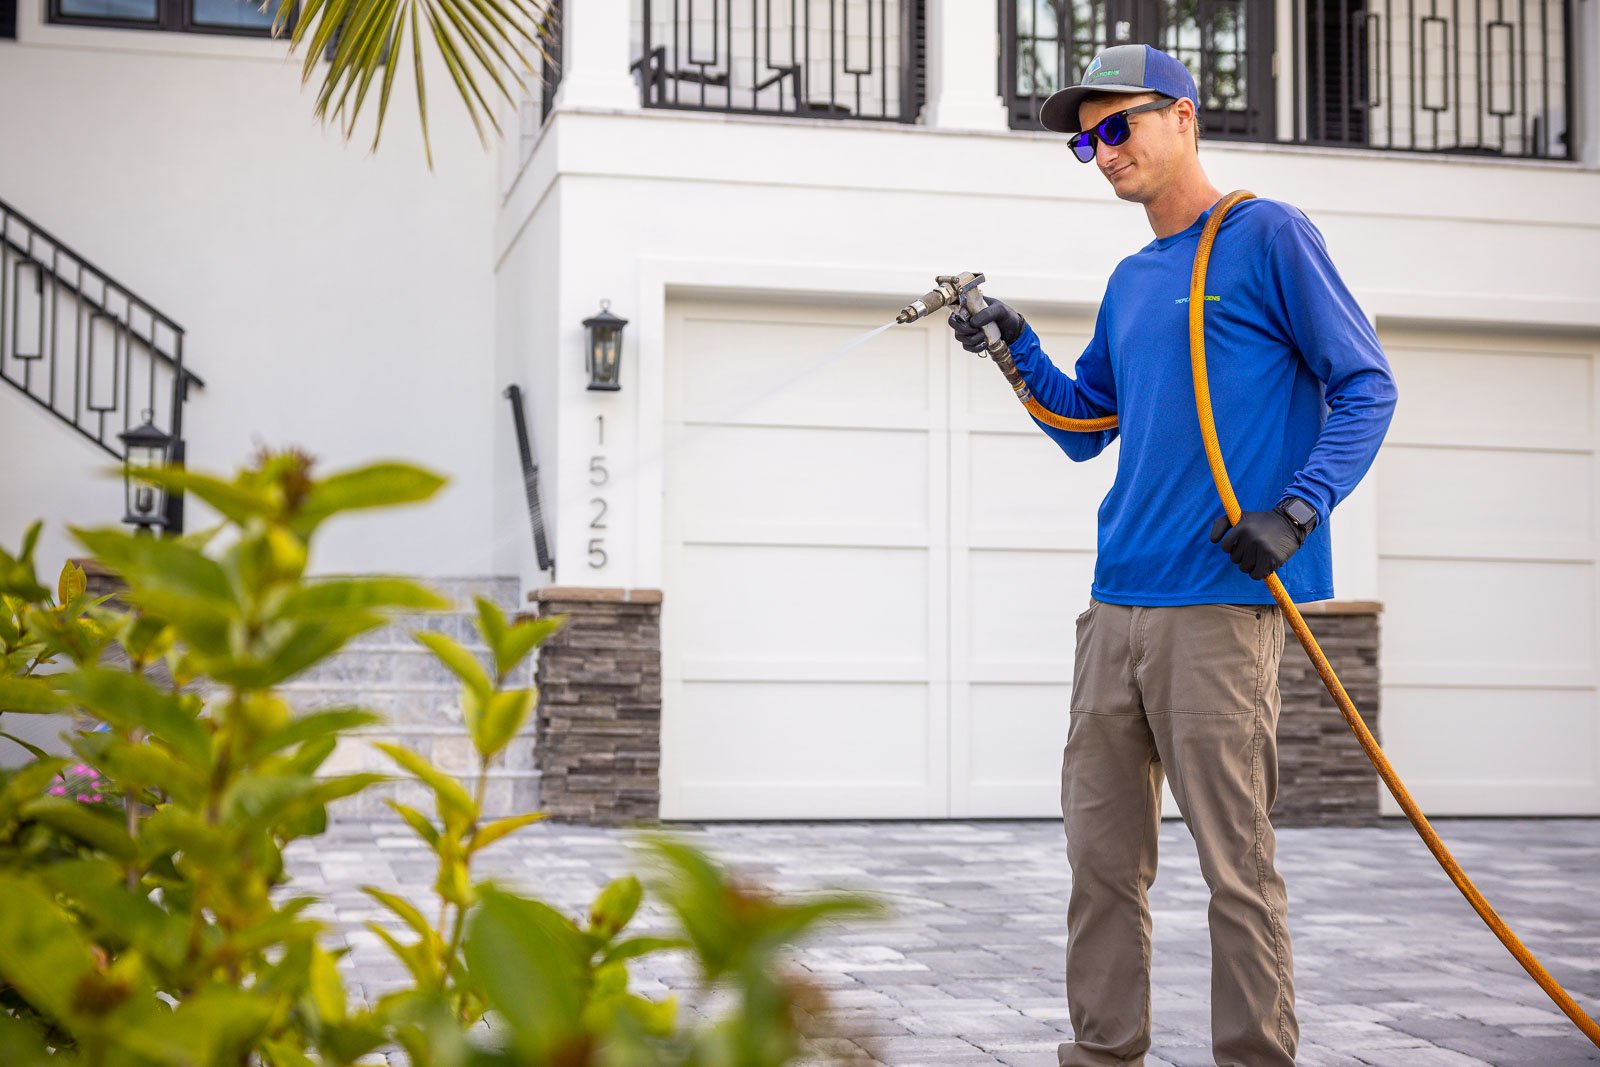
(1113, 130)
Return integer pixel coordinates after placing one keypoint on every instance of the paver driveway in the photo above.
(1392, 967)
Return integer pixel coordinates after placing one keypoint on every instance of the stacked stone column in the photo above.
(598, 742)
(1324, 779)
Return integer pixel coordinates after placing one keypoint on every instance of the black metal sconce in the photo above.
(605, 349)
(146, 448)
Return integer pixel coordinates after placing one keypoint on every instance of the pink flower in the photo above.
(82, 798)
(81, 768)
(58, 790)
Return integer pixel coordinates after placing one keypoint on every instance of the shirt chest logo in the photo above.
(1185, 300)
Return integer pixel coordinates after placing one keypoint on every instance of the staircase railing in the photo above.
(85, 348)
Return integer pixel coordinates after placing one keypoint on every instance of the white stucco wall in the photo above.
(335, 300)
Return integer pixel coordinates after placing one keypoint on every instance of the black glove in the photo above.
(969, 332)
(1262, 541)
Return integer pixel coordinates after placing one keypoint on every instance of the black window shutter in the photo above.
(8, 18)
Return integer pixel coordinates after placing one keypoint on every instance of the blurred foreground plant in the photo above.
(169, 934)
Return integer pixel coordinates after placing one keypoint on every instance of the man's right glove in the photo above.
(969, 332)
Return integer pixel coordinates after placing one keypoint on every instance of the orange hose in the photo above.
(1369, 745)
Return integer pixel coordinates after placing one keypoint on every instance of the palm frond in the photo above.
(486, 46)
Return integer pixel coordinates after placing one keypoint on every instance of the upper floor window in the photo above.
(841, 59)
(239, 17)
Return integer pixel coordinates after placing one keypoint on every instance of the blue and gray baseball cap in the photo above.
(1123, 68)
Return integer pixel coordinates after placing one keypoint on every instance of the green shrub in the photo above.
(148, 920)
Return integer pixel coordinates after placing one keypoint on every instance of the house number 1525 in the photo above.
(598, 477)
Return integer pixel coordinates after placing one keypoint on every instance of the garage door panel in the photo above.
(1511, 751)
(736, 603)
(819, 750)
(1444, 501)
(1012, 744)
(1022, 491)
(779, 369)
(1502, 398)
(765, 484)
(1488, 622)
(1019, 623)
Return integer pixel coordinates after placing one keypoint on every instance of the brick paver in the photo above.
(1392, 967)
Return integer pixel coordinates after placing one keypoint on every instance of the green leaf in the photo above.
(453, 797)
(335, 597)
(642, 946)
(136, 766)
(31, 696)
(505, 714)
(162, 565)
(523, 638)
(328, 722)
(97, 889)
(34, 750)
(303, 647)
(213, 1025)
(415, 956)
(236, 502)
(92, 826)
(417, 821)
(42, 951)
(376, 486)
(494, 831)
(327, 990)
(24, 785)
(72, 584)
(615, 907)
(267, 800)
(406, 910)
(22, 1044)
(491, 624)
(533, 964)
(127, 701)
(461, 662)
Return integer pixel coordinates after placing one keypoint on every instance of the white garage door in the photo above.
(1487, 541)
(871, 567)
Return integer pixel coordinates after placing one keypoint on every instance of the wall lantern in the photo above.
(147, 448)
(605, 349)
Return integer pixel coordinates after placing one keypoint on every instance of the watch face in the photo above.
(1300, 512)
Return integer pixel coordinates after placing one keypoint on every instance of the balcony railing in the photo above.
(860, 59)
(1490, 77)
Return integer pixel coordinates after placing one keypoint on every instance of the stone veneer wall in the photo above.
(598, 742)
(1324, 777)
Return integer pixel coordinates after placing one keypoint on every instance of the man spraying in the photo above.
(1176, 670)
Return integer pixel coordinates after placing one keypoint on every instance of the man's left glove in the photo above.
(1260, 543)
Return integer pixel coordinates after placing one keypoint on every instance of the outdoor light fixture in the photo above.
(605, 349)
(147, 448)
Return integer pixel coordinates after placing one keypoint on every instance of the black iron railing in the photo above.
(859, 59)
(1486, 77)
(80, 345)
(1457, 76)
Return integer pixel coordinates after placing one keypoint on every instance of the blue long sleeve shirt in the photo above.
(1301, 391)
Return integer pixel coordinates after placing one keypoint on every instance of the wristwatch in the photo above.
(1301, 514)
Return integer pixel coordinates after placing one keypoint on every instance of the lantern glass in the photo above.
(605, 349)
(147, 449)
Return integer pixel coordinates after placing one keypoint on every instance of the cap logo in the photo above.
(1092, 68)
(1106, 73)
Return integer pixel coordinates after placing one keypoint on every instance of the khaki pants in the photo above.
(1191, 692)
